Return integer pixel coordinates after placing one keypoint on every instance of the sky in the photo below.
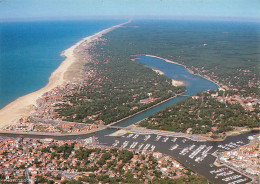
(73, 9)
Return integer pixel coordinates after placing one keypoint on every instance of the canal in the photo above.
(188, 152)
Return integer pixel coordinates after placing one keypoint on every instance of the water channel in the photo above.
(186, 151)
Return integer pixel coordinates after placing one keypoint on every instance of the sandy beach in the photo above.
(25, 105)
(158, 71)
(177, 83)
(174, 82)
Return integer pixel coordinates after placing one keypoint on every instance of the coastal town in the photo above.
(230, 95)
(245, 158)
(108, 115)
(41, 160)
(48, 126)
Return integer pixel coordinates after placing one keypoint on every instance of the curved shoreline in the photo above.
(175, 83)
(25, 105)
(174, 62)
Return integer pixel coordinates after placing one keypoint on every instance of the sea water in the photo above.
(30, 52)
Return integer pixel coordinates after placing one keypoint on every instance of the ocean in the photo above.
(30, 52)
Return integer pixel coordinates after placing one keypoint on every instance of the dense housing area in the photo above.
(52, 161)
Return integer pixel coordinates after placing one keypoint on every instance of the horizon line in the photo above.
(240, 19)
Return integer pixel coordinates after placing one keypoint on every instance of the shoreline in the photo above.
(25, 105)
(175, 83)
(159, 103)
(174, 62)
(91, 131)
(134, 128)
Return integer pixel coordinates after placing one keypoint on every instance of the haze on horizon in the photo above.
(11, 10)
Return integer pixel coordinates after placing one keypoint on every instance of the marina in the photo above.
(184, 151)
(191, 153)
(165, 139)
(140, 146)
(135, 136)
(174, 147)
(196, 155)
(147, 137)
(152, 148)
(230, 145)
(174, 139)
(158, 138)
